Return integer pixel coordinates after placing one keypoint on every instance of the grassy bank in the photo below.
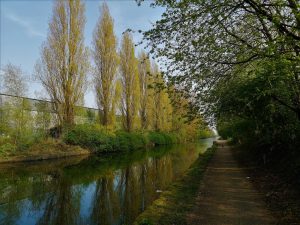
(45, 149)
(173, 204)
(82, 138)
(97, 139)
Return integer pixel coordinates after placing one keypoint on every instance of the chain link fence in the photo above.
(35, 106)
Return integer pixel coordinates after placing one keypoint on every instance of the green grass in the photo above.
(173, 205)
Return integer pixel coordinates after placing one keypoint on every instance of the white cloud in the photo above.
(27, 25)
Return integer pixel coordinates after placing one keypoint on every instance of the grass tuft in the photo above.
(173, 205)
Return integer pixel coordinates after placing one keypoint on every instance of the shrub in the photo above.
(7, 148)
(124, 141)
(162, 138)
(97, 139)
(89, 136)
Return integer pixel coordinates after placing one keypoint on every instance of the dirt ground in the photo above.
(226, 195)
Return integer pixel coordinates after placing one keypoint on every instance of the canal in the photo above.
(108, 190)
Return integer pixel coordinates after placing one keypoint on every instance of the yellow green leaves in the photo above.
(106, 60)
(130, 84)
(144, 69)
(64, 59)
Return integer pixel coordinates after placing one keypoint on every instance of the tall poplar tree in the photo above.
(106, 60)
(130, 83)
(144, 68)
(64, 59)
(162, 107)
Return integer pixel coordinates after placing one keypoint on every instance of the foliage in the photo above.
(130, 141)
(6, 149)
(153, 110)
(98, 139)
(91, 117)
(144, 67)
(14, 80)
(43, 117)
(205, 133)
(89, 136)
(64, 59)
(106, 60)
(4, 118)
(239, 63)
(130, 84)
(205, 43)
(250, 112)
(162, 107)
(162, 138)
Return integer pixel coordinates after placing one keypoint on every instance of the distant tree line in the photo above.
(125, 84)
(131, 92)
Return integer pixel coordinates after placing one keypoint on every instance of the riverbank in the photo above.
(278, 184)
(98, 140)
(174, 203)
(45, 150)
(86, 139)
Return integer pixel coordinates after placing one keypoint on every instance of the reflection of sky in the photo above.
(117, 177)
(86, 201)
(27, 213)
(28, 216)
(24, 26)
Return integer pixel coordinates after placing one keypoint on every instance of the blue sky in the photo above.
(24, 26)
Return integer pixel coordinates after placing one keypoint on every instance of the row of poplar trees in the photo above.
(124, 84)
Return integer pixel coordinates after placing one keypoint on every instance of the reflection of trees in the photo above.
(138, 184)
(105, 205)
(62, 204)
(159, 174)
(143, 179)
(10, 212)
(11, 201)
(148, 182)
(121, 194)
(129, 198)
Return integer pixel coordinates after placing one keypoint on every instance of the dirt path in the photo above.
(226, 196)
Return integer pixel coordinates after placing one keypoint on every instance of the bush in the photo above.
(97, 139)
(89, 136)
(6, 149)
(161, 138)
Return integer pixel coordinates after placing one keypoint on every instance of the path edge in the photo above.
(174, 203)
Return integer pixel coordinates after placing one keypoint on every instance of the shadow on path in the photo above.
(226, 196)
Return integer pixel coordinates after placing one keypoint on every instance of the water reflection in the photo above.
(106, 190)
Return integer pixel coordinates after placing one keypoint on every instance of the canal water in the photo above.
(108, 190)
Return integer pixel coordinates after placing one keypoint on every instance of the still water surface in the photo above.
(107, 190)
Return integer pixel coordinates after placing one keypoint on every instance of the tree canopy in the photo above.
(203, 43)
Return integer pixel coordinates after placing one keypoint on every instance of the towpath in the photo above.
(226, 195)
